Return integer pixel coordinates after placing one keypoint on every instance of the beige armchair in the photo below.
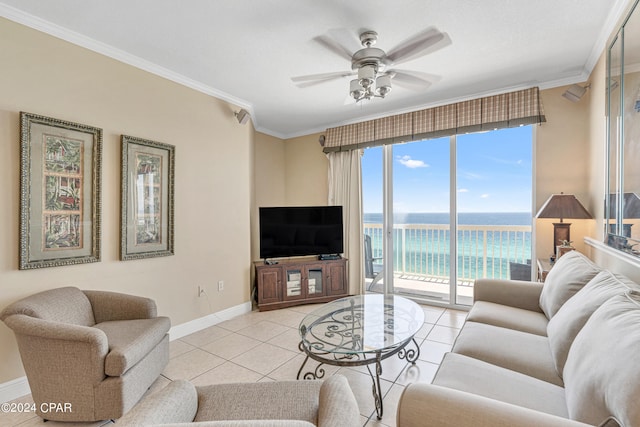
(92, 353)
(305, 403)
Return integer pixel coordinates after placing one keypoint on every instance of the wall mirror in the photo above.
(622, 203)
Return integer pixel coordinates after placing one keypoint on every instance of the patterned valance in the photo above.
(522, 107)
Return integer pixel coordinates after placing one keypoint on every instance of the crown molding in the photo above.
(73, 37)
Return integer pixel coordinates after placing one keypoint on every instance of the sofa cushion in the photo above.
(572, 316)
(569, 274)
(130, 341)
(65, 305)
(475, 376)
(509, 317)
(602, 376)
(519, 351)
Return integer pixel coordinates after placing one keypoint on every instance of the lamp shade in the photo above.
(630, 209)
(563, 206)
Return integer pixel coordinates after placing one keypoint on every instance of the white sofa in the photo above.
(565, 353)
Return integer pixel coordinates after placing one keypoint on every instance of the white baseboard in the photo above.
(14, 389)
(201, 323)
(20, 386)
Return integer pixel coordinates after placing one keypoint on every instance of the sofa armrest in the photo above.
(513, 293)
(174, 404)
(117, 306)
(430, 405)
(337, 406)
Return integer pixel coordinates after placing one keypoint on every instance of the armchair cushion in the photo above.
(130, 341)
(64, 305)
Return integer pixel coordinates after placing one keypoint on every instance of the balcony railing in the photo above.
(423, 250)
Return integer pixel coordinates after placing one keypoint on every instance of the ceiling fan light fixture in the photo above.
(355, 90)
(366, 75)
(383, 85)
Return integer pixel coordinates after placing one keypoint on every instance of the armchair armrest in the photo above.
(116, 306)
(22, 324)
(338, 406)
(430, 405)
(59, 351)
(514, 293)
(176, 403)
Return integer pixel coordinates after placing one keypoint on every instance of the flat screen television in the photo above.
(300, 230)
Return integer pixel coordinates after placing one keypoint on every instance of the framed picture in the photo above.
(60, 169)
(146, 217)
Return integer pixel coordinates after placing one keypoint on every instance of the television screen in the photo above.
(300, 230)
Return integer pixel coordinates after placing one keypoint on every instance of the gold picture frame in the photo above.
(147, 209)
(60, 173)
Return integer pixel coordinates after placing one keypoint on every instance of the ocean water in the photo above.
(485, 251)
(466, 218)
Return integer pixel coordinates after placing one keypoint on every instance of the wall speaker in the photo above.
(242, 116)
(575, 92)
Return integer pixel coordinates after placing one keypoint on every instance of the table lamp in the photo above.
(562, 206)
(630, 210)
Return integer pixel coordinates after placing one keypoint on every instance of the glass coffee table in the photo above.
(361, 330)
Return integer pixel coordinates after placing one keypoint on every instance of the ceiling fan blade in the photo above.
(340, 42)
(314, 79)
(425, 42)
(413, 80)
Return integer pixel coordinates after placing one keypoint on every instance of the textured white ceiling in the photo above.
(246, 51)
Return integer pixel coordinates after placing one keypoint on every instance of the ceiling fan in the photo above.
(372, 65)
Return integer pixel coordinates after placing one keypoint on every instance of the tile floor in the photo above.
(263, 346)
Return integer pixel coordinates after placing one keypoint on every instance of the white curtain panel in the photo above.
(345, 189)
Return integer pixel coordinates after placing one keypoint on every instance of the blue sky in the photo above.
(494, 174)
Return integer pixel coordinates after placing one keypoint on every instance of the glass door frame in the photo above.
(387, 222)
(387, 225)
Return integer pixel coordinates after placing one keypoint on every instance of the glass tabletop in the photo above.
(361, 324)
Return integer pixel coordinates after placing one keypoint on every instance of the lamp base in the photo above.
(561, 231)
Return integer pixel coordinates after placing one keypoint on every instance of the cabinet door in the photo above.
(336, 278)
(269, 285)
(315, 281)
(294, 278)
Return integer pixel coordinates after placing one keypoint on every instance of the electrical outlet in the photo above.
(220, 285)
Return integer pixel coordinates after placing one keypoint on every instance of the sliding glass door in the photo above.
(494, 184)
(416, 196)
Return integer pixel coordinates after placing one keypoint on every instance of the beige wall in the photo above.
(270, 181)
(43, 75)
(306, 172)
(562, 163)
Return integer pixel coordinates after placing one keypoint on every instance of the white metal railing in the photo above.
(483, 250)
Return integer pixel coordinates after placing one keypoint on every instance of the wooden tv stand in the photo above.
(300, 281)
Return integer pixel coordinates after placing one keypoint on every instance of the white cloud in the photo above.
(463, 190)
(411, 163)
(485, 196)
